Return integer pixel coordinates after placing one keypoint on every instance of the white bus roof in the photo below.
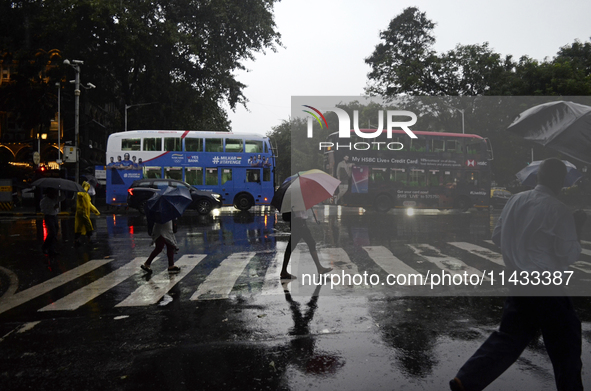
(190, 133)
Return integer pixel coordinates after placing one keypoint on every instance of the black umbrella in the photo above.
(562, 126)
(168, 205)
(90, 179)
(58, 183)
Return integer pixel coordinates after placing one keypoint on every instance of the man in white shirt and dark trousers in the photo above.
(536, 233)
(49, 206)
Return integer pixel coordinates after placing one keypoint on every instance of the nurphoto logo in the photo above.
(345, 131)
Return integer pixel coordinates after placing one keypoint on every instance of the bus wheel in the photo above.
(203, 207)
(463, 204)
(243, 202)
(383, 203)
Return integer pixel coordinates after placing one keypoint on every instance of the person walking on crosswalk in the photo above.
(162, 235)
(82, 223)
(537, 234)
(49, 206)
(299, 231)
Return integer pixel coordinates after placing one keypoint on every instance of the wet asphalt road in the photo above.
(91, 320)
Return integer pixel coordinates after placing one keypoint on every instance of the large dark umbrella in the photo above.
(168, 205)
(529, 175)
(58, 183)
(562, 126)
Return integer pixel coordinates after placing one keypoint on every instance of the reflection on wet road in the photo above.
(226, 321)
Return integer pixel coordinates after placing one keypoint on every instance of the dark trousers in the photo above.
(170, 249)
(523, 318)
(52, 226)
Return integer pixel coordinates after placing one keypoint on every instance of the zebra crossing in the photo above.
(220, 281)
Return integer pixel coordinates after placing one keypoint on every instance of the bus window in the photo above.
(194, 176)
(131, 144)
(418, 145)
(173, 144)
(152, 172)
(194, 144)
(437, 145)
(211, 176)
(234, 145)
(401, 141)
(417, 178)
(398, 176)
(253, 175)
(253, 146)
(378, 175)
(153, 144)
(214, 145)
(434, 178)
(266, 174)
(473, 148)
(453, 146)
(173, 173)
(226, 175)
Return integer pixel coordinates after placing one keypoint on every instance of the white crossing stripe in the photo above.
(583, 266)
(272, 284)
(389, 262)
(480, 251)
(19, 298)
(338, 259)
(160, 284)
(452, 265)
(221, 280)
(586, 242)
(82, 296)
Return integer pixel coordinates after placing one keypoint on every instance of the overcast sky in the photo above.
(326, 42)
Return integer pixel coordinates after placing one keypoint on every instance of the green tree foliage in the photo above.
(179, 55)
(404, 64)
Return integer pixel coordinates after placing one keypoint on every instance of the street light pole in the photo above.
(461, 112)
(59, 127)
(129, 106)
(76, 65)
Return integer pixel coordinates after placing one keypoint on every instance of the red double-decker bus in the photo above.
(434, 170)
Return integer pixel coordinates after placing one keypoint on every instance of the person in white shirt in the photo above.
(536, 233)
(299, 231)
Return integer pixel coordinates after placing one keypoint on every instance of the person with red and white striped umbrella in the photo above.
(295, 196)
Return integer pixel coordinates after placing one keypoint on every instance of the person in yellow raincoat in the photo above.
(82, 223)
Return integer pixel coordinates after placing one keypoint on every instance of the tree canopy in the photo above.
(178, 55)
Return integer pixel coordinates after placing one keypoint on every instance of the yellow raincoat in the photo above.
(82, 223)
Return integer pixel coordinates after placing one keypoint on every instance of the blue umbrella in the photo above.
(168, 205)
(529, 175)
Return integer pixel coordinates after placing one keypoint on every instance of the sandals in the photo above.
(174, 269)
(145, 268)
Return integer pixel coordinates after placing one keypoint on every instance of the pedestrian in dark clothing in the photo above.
(299, 231)
(49, 206)
(536, 233)
(162, 235)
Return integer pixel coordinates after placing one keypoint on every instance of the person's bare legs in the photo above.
(321, 269)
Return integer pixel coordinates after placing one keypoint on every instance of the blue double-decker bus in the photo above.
(240, 167)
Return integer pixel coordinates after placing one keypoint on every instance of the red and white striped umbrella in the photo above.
(303, 190)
